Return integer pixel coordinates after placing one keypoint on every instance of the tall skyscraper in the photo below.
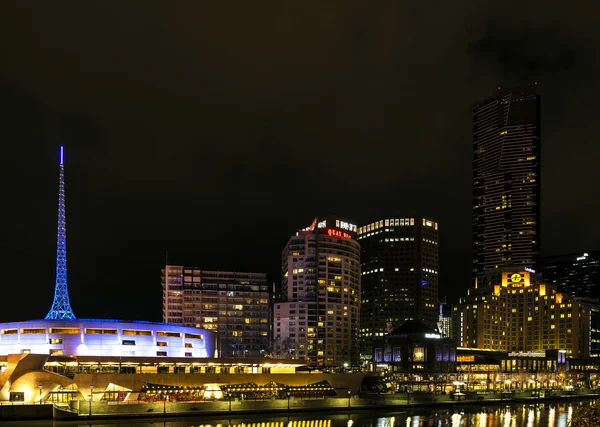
(61, 306)
(318, 321)
(235, 305)
(575, 274)
(399, 276)
(506, 181)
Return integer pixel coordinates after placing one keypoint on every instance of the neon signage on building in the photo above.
(337, 233)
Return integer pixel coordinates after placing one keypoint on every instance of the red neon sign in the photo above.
(337, 233)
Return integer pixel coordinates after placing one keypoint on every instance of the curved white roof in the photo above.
(104, 337)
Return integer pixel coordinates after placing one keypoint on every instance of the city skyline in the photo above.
(187, 137)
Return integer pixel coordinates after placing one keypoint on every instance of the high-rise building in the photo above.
(506, 181)
(235, 305)
(512, 309)
(318, 321)
(399, 259)
(445, 322)
(575, 274)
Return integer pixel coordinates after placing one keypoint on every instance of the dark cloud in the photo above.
(214, 131)
(531, 52)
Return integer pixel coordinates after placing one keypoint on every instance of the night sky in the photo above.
(215, 130)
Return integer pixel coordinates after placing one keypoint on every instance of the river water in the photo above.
(541, 415)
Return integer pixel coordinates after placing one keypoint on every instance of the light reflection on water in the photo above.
(542, 415)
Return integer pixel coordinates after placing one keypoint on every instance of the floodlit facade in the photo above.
(319, 320)
(235, 305)
(83, 337)
(400, 266)
(513, 310)
(506, 181)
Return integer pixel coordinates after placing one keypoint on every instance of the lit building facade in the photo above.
(574, 274)
(415, 347)
(513, 310)
(107, 337)
(506, 181)
(400, 261)
(445, 322)
(232, 304)
(318, 322)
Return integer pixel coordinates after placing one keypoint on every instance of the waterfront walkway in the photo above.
(80, 410)
(285, 406)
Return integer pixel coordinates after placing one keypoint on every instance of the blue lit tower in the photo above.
(61, 307)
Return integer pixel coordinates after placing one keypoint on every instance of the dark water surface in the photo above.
(541, 415)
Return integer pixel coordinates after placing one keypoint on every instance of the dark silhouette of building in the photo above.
(575, 274)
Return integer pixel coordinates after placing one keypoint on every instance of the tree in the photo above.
(282, 348)
(586, 416)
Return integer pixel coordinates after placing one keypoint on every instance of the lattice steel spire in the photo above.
(61, 307)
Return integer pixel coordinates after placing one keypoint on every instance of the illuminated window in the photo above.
(134, 332)
(169, 334)
(101, 331)
(33, 331)
(65, 331)
(195, 336)
(419, 354)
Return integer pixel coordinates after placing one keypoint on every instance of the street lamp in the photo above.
(229, 397)
(288, 393)
(349, 394)
(40, 387)
(91, 397)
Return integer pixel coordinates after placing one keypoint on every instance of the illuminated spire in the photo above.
(61, 308)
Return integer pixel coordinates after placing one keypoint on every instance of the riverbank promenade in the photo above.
(81, 409)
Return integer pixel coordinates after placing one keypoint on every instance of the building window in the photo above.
(55, 341)
(101, 331)
(65, 331)
(419, 354)
(134, 332)
(128, 342)
(33, 331)
(188, 345)
(188, 354)
(195, 336)
(162, 343)
(169, 334)
(161, 353)
(56, 352)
